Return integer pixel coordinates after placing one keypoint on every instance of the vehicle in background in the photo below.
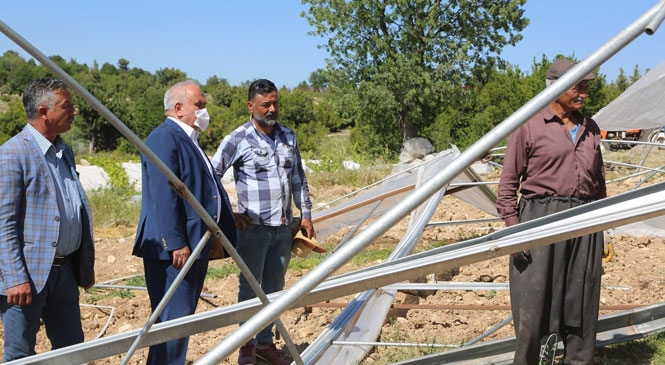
(629, 135)
(656, 135)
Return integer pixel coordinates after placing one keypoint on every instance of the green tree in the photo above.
(134, 96)
(296, 107)
(621, 82)
(13, 120)
(400, 59)
(324, 113)
(318, 80)
(297, 112)
(109, 69)
(170, 76)
(23, 74)
(227, 106)
(636, 75)
(598, 95)
(91, 127)
(219, 92)
(10, 63)
(123, 64)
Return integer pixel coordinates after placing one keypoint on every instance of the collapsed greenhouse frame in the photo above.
(318, 285)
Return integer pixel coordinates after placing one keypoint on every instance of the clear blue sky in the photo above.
(244, 40)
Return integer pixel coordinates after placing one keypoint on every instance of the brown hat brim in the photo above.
(309, 243)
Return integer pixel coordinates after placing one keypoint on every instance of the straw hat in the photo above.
(302, 245)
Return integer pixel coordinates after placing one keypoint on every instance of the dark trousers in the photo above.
(57, 305)
(558, 292)
(159, 275)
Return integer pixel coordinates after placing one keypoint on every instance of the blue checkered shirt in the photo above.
(268, 174)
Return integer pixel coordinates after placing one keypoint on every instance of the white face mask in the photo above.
(202, 119)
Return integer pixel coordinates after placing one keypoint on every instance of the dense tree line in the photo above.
(428, 68)
(397, 69)
(136, 97)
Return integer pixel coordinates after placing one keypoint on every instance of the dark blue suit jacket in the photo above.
(167, 221)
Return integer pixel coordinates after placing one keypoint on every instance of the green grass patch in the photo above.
(114, 207)
(648, 351)
(371, 256)
(122, 293)
(97, 294)
(306, 263)
(112, 165)
(361, 177)
(362, 259)
(222, 271)
(138, 280)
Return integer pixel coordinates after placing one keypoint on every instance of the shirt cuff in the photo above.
(511, 221)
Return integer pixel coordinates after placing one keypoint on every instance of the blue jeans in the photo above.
(266, 250)
(57, 305)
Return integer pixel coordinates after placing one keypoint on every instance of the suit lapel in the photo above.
(190, 147)
(33, 146)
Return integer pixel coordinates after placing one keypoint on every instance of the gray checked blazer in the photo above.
(30, 219)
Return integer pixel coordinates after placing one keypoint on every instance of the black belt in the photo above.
(61, 260)
(565, 199)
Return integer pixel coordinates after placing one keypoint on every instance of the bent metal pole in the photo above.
(176, 184)
(418, 196)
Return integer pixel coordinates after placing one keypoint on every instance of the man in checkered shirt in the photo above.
(269, 175)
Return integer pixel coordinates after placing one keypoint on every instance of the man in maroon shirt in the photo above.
(554, 161)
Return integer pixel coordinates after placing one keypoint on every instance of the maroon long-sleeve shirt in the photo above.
(542, 160)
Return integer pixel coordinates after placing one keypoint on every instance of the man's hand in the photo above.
(307, 225)
(523, 257)
(180, 256)
(90, 284)
(242, 220)
(19, 295)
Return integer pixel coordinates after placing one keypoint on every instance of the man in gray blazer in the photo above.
(46, 245)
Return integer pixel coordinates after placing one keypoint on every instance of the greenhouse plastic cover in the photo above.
(381, 198)
(641, 106)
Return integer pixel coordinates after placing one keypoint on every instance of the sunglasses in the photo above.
(261, 86)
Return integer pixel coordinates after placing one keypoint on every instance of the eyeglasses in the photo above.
(260, 85)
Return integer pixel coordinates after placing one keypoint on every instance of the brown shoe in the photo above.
(247, 354)
(270, 354)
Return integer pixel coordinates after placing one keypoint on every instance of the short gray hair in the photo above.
(178, 93)
(41, 92)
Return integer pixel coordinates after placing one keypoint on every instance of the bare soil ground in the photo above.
(634, 276)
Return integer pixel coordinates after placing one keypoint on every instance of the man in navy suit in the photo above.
(169, 229)
(46, 246)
